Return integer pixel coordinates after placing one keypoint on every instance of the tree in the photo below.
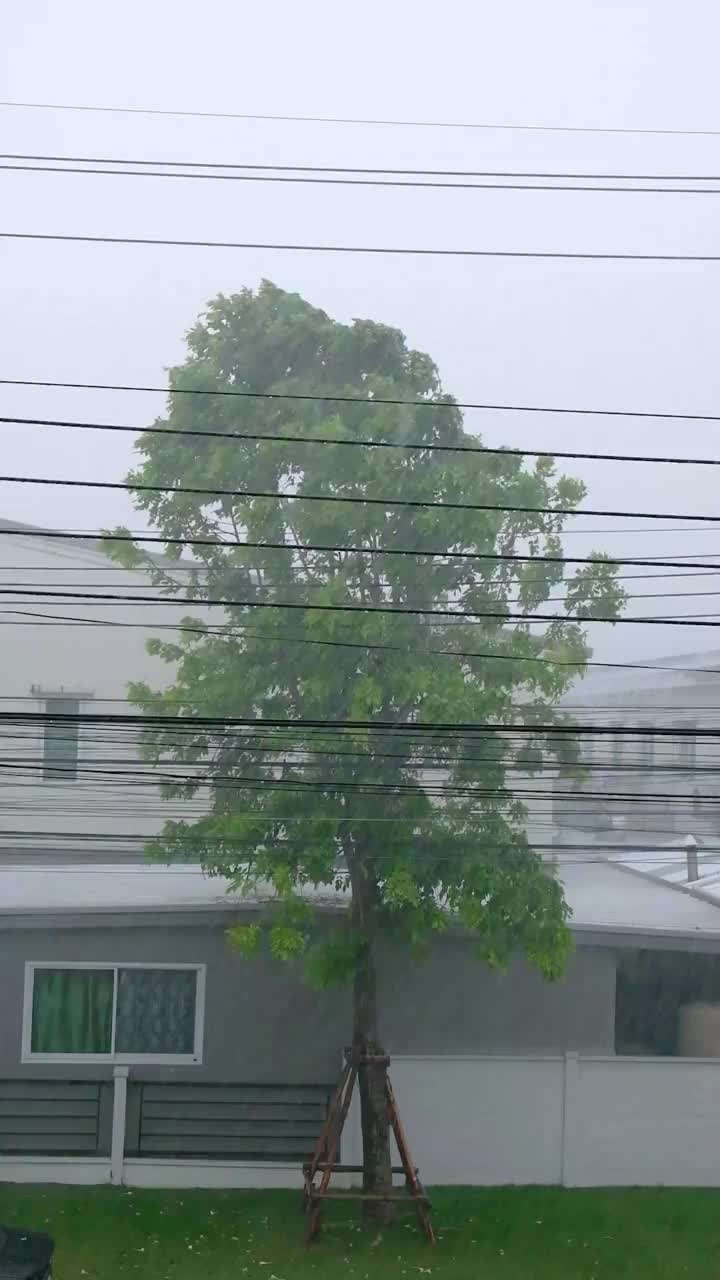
(359, 808)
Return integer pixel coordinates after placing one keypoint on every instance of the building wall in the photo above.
(667, 770)
(95, 661)
(263, 1024)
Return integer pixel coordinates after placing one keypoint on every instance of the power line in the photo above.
(319, 177)
(684, 620)
(299, 753)
(88, 535)
(200, 567)
(29, 586)
(370, 787)
(355, 499)
(367, 121)
(562, 854)
(286, 741)
(465, 728)
(293, 757)
(554, 255)
(552, 853)
(551, 175)
(354, 443)
(504, 615)
(25, 586)
(368, 400)
(268, 637)
(138, 535)
(291, 734)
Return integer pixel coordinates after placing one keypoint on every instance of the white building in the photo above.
(660, 781)
(59, 780)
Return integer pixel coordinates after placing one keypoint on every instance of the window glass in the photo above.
(72, 1011)
(60, 746)
(688, 744)
(122, 1012)
(155, 1011)
(647, 745)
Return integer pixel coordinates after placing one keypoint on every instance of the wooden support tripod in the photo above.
(324, 1158)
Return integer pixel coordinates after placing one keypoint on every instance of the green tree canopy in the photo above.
(419, 828)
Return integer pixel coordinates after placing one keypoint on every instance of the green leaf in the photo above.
(410, 831)
(245, 938)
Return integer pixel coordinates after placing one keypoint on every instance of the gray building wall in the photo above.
(263, 1024)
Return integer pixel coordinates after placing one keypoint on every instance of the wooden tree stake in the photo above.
(325, 1163)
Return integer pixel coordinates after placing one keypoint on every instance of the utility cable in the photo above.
(563, 854)
(24, 586)
(53, 620)
(649, 562)
(365, 121)
(367, 400)
(354, 443)
(342, 726)
(199, 567)
(354, 499)
(320, 177)
(265, 246)
(551, 175)
(503, 615)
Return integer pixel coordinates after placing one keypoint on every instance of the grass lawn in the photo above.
(500, 1234)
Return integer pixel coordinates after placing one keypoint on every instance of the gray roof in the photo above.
(682, 669)
(89, 544)
(604, 897)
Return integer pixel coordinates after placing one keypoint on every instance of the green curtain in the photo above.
(72, 1011)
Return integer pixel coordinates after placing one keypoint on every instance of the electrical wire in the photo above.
(27, 742)
(272, 782)
(353, 499)
(29, 585)
(17, 529)
(689, 802)
(318, 177)
(183, 728)
(369, 170)
(565, 255)
(564, 854)
(354, 120)
(301, 724)
(175, 773)
(287, 743)
(502, 615)
(199, 567)
(649, 562)
(363, 400)
(354, 443)
(59, 620)
(191, 730)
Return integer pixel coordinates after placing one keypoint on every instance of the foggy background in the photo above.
(607, 334)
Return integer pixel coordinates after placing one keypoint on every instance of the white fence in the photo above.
(482, 1121)
(573, 1121)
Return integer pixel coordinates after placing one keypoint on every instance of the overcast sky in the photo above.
(615, 334)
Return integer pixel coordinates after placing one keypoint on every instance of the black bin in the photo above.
(25, 1255)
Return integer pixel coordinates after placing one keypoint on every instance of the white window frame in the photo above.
(51, 693)
(112, 1058)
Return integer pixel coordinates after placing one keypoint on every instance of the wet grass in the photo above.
(497, 1234)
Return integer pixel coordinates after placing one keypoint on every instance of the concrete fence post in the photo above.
(570, 1117)
(117, 1145)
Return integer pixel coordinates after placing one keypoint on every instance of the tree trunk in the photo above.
(377, 1175)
